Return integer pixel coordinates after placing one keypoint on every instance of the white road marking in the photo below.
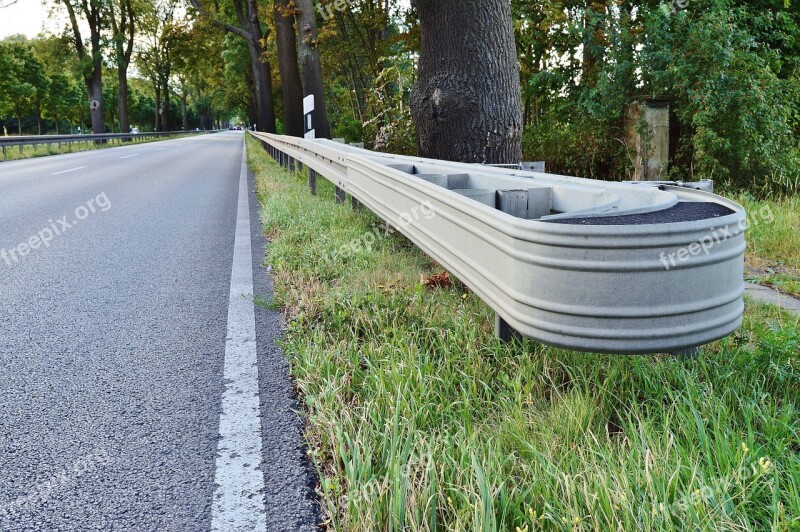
(129, 156)
(159, 149)
(238, 503)
(70, 170)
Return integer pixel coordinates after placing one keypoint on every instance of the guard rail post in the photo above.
(312, 181)
(341, 196)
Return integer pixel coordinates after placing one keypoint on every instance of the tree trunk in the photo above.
(312, 67)
(94, 88)
(157, 123)
(290, 73)
(466, 102)
(166, 125)
(122, 102)
(184, 116)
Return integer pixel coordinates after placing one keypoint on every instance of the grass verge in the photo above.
(773, 242)
(419, 419)
(42, 150)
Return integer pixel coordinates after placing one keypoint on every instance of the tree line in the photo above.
(474, 80)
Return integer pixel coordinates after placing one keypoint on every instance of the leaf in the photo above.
(436, 280)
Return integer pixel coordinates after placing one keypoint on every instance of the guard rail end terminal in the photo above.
(581, 264)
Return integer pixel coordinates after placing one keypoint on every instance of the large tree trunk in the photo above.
(262, 79)
(466, 102)
(157, 92)
(290, 74)
(166, 124)
(122, 102)
(94, 89)
(312, 67)
(262, 76)
(184, 116)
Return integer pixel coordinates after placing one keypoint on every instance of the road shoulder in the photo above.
(291, 479)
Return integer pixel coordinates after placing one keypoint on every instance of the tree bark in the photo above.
(157, 106)
(94, 87)
(166, 123)
(291, 85)
(122, 102)
(466, 102)
(312, 66)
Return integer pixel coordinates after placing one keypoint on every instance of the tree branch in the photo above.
(218, 23)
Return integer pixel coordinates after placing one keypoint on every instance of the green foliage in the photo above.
(741, 113)
(730, 70)
(24, 84)
(391, 129)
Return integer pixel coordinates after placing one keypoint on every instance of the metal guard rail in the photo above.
(575, 263)
(34, 140)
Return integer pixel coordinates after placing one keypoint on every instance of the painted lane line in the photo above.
(70, 170)
(238, 503)
(160, 149)
(129, 156)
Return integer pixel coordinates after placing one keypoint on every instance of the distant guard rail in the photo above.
(571, 262)
(47, 140)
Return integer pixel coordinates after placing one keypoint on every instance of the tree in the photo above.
(287, 63)
(311, 65)
(251, 31)
(467, 110)
(25, 85)
(122, 17)
(154, 58)
(62, 97)
(91, 12)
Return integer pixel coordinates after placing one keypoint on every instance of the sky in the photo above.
(27, 17)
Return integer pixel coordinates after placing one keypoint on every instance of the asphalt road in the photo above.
(115, 287)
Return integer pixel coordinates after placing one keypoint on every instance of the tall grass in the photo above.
(420, 419)
(773, 241)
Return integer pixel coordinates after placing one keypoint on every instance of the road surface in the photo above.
(140, 388)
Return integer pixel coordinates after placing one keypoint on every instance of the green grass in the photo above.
(42, 150)
(773, 242)
(419, 419)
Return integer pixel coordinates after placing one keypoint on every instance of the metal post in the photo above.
(312, 182)
(341, 196)
(291, 164)
(515, 203)
(355, 204)
(503, 331)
